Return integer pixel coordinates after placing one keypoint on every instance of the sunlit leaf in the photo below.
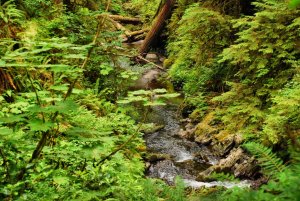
(60, 87)
(60, 180)
(11, 119)
(161, 91)
(5, 131)
(39, 125)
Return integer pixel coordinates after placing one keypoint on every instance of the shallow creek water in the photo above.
(185, 157)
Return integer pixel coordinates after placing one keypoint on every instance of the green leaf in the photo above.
(63, 107)
(270, 163)
(74, 56)
(2, 62)
(125, 101)
(294, 3)
(38, 125)
(5, 131)
(160, 91)
(60, 87)
(15, 111)
(105, 69)
(155, 103)
(140, 92)
(60, 180)
(11, 119)
(172, 95)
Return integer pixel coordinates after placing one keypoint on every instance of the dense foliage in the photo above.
(63, 136)
(67, 133)
(241, 69)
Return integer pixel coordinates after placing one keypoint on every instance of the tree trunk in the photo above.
(157, 26)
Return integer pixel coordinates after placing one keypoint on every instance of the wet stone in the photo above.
(165, 170)
(152, 57)
(157, 157)
(237, 163)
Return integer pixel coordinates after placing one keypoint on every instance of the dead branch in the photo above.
(150, 62)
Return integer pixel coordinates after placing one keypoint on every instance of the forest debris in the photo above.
(6, 80)
(118, 26)
(129, 20)
(128, 35)
(140, 37)
(150, 62)
(139, 32)
(136, 35)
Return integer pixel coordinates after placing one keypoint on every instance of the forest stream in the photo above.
(170, 154)
(150, 100)
(182, 156)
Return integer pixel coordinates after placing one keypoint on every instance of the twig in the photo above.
(36, 93)
(108, 5)
(146, 60)
(36, 153)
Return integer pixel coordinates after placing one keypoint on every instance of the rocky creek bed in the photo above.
(189, 149)
(171, 155)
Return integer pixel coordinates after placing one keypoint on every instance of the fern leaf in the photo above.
(269, 162)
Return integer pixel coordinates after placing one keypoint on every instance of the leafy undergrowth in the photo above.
(63, 134)
(66, 132)
(252, 79)
(243, 67)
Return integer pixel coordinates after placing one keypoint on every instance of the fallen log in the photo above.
(139, 32)
(129, 20)
(139, 37)
(136, 35)
(157, 26)
(128, 35)
(119, 27)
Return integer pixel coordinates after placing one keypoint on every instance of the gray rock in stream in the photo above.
(167, 171)
(148, 80)
(237, 163)
(152, 57)
(188, 132)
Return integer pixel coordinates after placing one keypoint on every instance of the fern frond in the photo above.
(269, 162)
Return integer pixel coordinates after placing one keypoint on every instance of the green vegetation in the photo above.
(63, 135)
(67, 127)
(253, 78)
(242, 65)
